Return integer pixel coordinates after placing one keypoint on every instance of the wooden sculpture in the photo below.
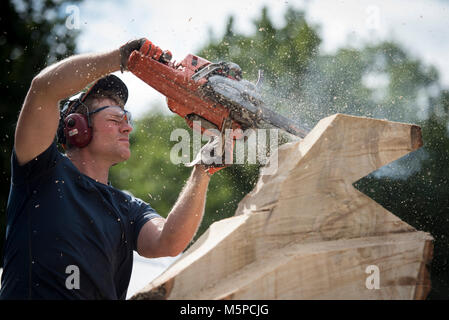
(305, 232)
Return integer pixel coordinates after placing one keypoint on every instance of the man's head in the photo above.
(97, 120)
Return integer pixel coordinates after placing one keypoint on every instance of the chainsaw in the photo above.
(214, 94)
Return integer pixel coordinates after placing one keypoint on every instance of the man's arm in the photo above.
(169, 237)
(39, 117)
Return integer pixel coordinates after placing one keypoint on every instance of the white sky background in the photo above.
(183, 27)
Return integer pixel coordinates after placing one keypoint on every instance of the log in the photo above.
(305, 232)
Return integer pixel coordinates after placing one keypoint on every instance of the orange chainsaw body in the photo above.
(183, 93)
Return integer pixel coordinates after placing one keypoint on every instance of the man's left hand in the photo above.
(212, 155)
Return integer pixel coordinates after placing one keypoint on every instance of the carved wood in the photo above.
(305, 232)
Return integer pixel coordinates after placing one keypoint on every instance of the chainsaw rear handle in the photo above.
(151, 50)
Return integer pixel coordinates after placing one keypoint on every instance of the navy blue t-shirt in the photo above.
(61, 224)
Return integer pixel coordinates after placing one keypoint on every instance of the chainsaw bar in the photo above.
(246, 104)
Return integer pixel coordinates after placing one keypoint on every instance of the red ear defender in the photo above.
(77, 130)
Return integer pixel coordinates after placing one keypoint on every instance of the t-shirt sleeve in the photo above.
(35, 168)
(141, 213)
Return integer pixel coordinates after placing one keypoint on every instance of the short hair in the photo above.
(93, 98)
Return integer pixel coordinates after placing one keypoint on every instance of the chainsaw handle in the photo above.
(151, 50)
(228, 148)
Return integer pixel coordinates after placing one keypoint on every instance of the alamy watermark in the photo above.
(373, 280)
(73, 19)
(73, 280)
(253, 145)
(372, 21)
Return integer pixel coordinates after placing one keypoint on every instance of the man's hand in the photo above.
(127, 49)
(169, 237)
(146, 47)
(214, 156)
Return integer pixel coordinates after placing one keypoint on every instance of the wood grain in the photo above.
(305, 232)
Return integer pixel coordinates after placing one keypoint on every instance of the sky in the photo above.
(183, 27)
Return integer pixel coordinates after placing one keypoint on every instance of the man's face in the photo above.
(110, 132)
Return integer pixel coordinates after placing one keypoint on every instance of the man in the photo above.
(70, 235)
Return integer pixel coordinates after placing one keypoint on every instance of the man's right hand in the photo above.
(127, 49)
(146, 47)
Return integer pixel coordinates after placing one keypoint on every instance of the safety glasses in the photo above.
(119, 114)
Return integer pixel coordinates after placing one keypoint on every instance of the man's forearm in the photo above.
(186, 215)
(70, 75)
(39, 117)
